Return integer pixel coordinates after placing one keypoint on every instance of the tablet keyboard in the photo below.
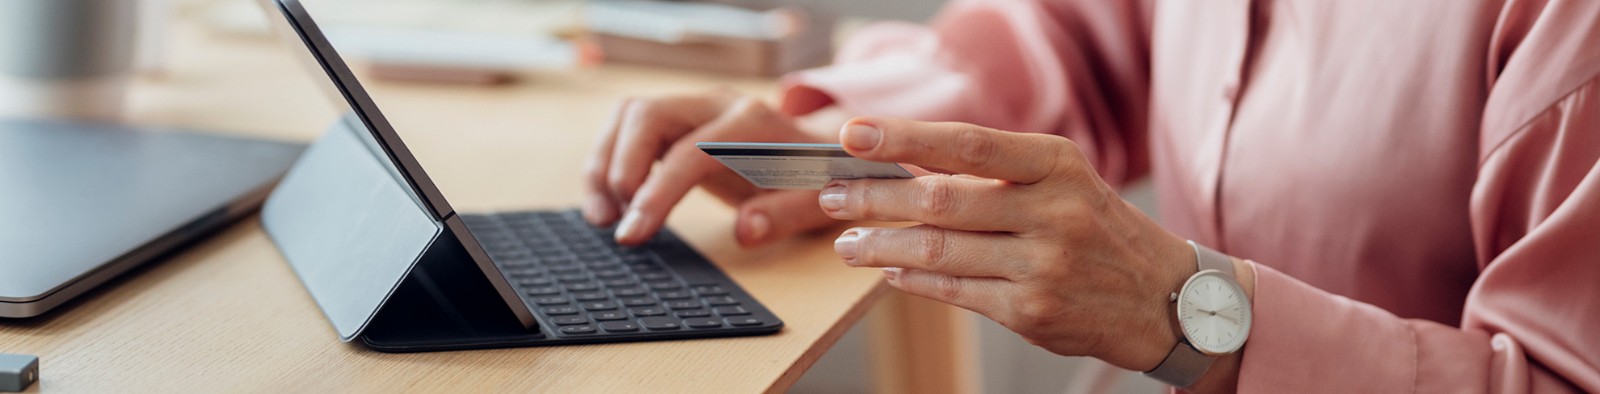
(580, 282)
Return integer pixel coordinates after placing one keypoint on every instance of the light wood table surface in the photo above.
(229, 315)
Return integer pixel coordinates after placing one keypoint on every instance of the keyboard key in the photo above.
(694, 313)
(710, 290)
(721, 300)
(731, 310)
(659, 323)
(543, 281)
(620, 282)
(583, 329)
(674, 294)
(629, 291)
(532, 281)
(600, 306)
(570, 320)
(547, 301)
(639, 301)
(573, 277)
(684, 304)
(542, 291)
(582, 286)
(566, 269)
(603, 316)
(591, 296)
(744, 321)
(524, 275)
(665, 285)
(612, 273)
(619, 326)
(560, 310)
(654, 275)
(651, 311)
(702, 323)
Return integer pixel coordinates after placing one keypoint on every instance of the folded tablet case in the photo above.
(377, 264)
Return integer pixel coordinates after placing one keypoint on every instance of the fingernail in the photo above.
(891, 273)
(861, 136)
(759, 226)
(845, 245)
(832, 198)
(594, 209)
(629, 225)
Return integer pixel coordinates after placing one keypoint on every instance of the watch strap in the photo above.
(1207, 259)
(1182, 367)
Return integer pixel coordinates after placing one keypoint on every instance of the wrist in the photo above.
(1202, 304)
(1223, 377)
(1245, 272)
(1164, 332)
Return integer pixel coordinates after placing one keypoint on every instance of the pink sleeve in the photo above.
(1076, 68)
(1531, 322)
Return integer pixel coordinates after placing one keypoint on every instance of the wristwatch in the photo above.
(1213, 315)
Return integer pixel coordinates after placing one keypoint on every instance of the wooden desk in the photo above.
(230, 315)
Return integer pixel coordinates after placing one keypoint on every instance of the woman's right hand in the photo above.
(621, 183)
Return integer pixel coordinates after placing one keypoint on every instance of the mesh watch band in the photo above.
(1182, 367)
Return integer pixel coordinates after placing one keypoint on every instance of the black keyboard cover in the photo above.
(584, 287)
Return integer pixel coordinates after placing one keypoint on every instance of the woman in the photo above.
(1414, 184)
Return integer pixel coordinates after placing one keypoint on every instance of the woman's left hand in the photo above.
(1027, 234)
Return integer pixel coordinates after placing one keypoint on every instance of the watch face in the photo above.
(1214, 313)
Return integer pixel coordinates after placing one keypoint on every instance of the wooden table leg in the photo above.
(922, 346)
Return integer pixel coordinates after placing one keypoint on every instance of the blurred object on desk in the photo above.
(710, 37)
(456, 56)
(66, 58)
(510, 17)
(471, 42)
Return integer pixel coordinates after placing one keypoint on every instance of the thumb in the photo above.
(777, 214)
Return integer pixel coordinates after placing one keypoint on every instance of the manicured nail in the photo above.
(891, 273)
(861, 136)
(595, 210)
(759, 226)
(832, 198)
(629, 225)
(845, 245)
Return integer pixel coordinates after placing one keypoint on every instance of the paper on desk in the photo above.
(417, 47)
(675, 22)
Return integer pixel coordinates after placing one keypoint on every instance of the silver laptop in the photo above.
(85, 202)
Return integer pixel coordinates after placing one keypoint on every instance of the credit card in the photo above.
(796, 166)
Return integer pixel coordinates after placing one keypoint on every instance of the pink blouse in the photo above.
(1416, 180)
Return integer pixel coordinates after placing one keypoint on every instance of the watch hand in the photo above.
(1230, 318)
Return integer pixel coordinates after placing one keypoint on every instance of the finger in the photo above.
(980, 295)
(682, 168)
(778, 214)
(940, 200)
(944, 251)
(648, 128)
(598, 207)
(1024, 158)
